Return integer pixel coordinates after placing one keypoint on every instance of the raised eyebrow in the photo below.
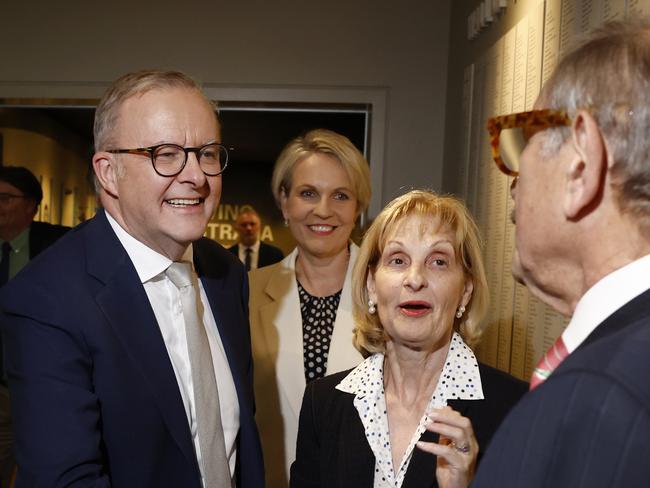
(393, 242)
(432, 246)
(442, 242)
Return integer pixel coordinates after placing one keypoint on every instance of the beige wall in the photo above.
(56, 157)
(393, 51)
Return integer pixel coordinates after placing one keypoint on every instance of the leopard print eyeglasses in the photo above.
(509, 134)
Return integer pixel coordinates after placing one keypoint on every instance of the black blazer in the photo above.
(588, 425)
(268, 254)
(332, 451)
(42, 235)
(94, 395)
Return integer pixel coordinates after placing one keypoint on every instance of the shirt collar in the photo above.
(21, 241)
(604, 298)
(147, 262)
(459, 380)
(255, 247)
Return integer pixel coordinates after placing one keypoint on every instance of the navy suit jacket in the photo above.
(268, 254)
(94, 395)
(332, 450)
(588, 425)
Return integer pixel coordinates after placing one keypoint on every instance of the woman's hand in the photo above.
(456, 449)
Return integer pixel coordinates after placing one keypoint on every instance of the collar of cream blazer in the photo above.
(283, 314)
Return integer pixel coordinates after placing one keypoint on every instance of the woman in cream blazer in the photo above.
(321, 183)
(276, 328)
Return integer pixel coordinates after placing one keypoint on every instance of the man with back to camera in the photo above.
(250, 250)
(582, 214)
(128, 347)
(21, 240)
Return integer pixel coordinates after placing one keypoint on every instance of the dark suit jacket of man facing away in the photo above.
(268, 254)
(97, 402)
(332, 448)
(598, 397)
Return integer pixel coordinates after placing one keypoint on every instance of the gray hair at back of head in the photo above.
(609, 75)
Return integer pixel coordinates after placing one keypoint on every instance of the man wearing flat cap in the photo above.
(21, 239)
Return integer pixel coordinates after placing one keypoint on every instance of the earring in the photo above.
(286, 222)
(371, 307)
(460, 312)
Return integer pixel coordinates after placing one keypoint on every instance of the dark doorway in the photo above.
(257, 132)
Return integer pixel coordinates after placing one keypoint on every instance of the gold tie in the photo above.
(214, 462)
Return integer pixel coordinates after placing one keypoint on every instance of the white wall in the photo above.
(394, 51)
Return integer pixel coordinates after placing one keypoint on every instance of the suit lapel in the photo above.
(261, 255)
(359, 459)
(282, 330)
(227, 325)
(126, 307)
(343, 354)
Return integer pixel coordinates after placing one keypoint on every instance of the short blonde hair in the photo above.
(323, 141)
(369, 336)
(127, 86)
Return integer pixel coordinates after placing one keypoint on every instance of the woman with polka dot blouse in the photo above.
(301, 308)
(416, 410)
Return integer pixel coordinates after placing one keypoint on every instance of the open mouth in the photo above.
(184, 202)
(415, 308)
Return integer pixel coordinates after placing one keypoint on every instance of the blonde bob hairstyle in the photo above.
(369, 336)
(323, 141)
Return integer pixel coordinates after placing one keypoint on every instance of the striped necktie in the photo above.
(551, 360)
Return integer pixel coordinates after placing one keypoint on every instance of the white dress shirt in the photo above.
(255, 253)
(604, 298)
(459, 379)
(166, 304)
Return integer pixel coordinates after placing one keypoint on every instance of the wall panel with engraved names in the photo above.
(507, 79)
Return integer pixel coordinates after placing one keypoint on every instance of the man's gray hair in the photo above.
(609, 75)
(127, 86)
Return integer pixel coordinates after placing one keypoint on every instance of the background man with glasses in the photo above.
(582, 214)
(21, 239)
(128, 344)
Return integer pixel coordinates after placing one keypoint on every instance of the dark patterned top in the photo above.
(318, 316)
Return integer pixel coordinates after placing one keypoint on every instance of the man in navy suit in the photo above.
(582, 214)
(250, 250)
(100, 339)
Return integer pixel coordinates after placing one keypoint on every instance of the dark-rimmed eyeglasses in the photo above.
(509, 134)
(170, 159)
(7, 197)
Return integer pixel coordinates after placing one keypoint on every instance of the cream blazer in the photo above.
(276, 336)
